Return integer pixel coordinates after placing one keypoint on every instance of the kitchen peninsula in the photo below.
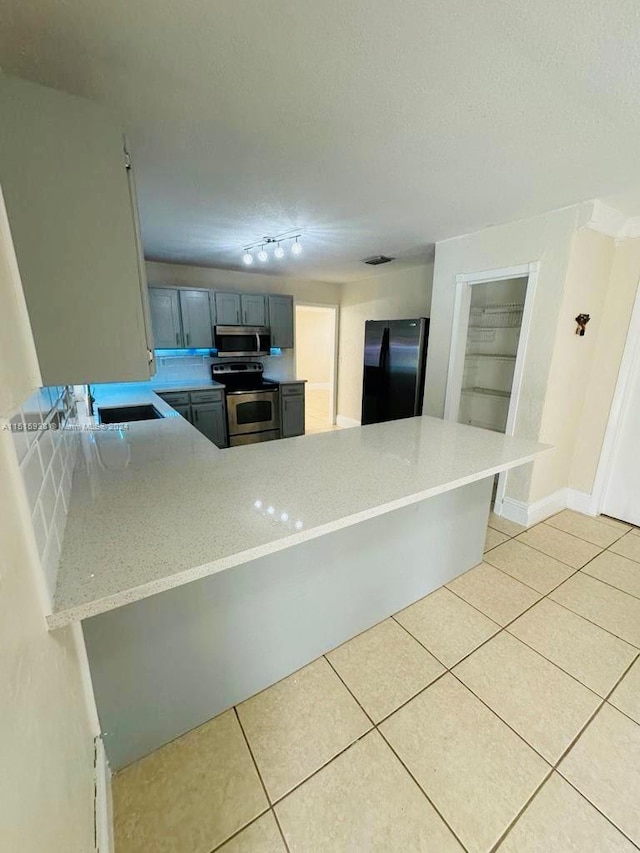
(203, 575)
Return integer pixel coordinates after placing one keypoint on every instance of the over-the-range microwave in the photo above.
(242, 340)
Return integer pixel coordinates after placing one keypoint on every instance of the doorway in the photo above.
(316, 361)
(491, 321)
(616, 490)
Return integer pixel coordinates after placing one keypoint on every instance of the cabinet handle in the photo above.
(177, 339)
(188, 339)
(195, 414)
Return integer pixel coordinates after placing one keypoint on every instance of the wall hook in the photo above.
(582, 320)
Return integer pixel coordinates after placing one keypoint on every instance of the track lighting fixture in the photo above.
(263, 255)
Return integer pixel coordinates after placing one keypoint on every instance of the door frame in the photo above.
(629, 368)
(333, 370)
(462, 304)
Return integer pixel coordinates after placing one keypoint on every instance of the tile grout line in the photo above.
(264, 787)
(586, 618)
(612, 585)
(594, 806)
(421, 789)
(449, 670)
(519, 814)
(575, 535)
(573, 743)
(375, 727)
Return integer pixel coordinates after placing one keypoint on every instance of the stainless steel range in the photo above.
(253, 411)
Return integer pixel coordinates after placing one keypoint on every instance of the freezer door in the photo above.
(375, 391)
(406, 364)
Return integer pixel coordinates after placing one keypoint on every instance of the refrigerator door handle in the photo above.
(384, 350)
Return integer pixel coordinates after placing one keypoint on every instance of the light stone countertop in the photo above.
(157, 505)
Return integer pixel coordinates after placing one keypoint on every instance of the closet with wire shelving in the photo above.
(493, 332)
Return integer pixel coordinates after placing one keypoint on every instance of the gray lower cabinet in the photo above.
(184, 410)
(211, 420)
(291, 409)
(254, 309)
(165, 318)
(281, 321)
(205, 409)
(228, 311)
(196, 318)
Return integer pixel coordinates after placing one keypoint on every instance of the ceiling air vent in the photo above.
(378, 259)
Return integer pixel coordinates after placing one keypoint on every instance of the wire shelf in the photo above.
(505, 316)
(487, 392)
(483, 425)
(496, 356)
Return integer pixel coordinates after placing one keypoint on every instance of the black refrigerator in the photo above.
(395, 353)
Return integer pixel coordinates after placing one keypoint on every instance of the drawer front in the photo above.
(292, 390)
(214, 396)
(175, 398)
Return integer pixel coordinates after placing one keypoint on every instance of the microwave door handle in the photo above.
(257, 343)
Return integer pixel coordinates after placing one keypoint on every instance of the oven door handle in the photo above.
(257, 343)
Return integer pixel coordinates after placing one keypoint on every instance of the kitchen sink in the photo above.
(125, 414)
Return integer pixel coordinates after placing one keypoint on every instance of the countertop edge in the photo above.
(61, 618)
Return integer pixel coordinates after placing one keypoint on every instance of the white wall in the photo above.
(546, 239)
(401, 292)
(585, 290)
(610, 324)
(315, 330)
(46, 738)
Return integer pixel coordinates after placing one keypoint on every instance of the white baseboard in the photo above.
(534, 513)
(103, 803)
(345, 422)
(583, 502)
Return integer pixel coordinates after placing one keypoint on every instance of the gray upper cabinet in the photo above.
(165, 317)
(66, 183)
(228, 311)
(291, 409)
(253, 309)
(196, 318)
(281, 321)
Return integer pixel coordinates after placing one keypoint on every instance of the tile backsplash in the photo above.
(198, 367)
(47, 455)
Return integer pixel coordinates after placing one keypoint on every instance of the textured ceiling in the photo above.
(374, 126)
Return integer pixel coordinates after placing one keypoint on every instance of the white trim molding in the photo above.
(598, 216)
(464, 284)
(533, 513)
(345, 422)
(103, 801)
(629, 368)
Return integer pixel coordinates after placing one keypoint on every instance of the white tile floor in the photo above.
(317, 412)
(500, 712)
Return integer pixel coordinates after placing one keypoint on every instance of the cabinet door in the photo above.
(281, 321)
(292, 420)
(196, 318)
(254, 309)
(63, 172)
(228, 309)
(211, 420)
(185, 411)
(165, 317)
